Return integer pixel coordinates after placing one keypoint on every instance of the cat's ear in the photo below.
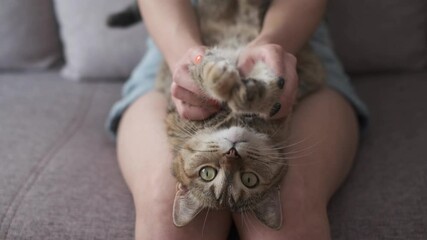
(269, 210)
(185, 207)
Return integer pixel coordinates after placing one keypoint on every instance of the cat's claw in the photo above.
(281, 82)
(275, 109)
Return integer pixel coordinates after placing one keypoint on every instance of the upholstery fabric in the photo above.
(385, 194)
(29, 37)
(92, 50)
(380, 36)
(59, 178)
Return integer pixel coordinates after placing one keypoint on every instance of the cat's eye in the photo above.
(207, 173)
(249, 179)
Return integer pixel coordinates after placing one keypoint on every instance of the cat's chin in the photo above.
(237, 134)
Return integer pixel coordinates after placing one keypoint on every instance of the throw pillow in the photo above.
(93, 50)
(29, 36)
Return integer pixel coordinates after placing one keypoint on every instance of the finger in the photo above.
(182, 78)
(288, 97)
(273, 56)
(193, 99)
(181, 74)
(245, 65)
(185, 95)
(193, 113)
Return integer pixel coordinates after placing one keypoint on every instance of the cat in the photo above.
(235, 159)
(125, 18)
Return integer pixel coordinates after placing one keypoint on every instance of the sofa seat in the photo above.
(59, 178)
(385, 194)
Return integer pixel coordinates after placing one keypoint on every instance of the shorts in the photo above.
(142, 79)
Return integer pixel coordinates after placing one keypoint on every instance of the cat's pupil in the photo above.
(249, 180)
(208, 173)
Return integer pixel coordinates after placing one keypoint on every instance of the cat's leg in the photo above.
(218, 76)
(259, 92)
(324, 137)
(145, 161)
(216, 73)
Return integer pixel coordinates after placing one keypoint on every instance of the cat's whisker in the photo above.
(244, 220)
(204, 224)
(252, 224)
(205, 151)
(303, 163)
(288, 153)
(277, 130)
(265, 164)
(298, 157)
(285, 144)
(315, 143)
(189, 128)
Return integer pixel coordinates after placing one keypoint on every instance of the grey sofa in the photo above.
(59, 177)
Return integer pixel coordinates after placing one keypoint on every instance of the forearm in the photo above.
(290, 23)
(181, 31)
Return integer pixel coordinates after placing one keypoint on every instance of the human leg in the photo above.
(324, 137)
(145, 161)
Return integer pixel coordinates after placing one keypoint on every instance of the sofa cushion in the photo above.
(385, 194)
(380, 36)
(92, 50)
(29, 36)
(59, 178)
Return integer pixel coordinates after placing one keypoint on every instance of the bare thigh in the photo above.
(145, 161)
(324, 136)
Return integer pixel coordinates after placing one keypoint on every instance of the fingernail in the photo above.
(198, 59)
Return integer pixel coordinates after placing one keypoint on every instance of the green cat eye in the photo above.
(208, 173)
(249, 179)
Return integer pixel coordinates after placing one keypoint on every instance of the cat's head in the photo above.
(236, 167)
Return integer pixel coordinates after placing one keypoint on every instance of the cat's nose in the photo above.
(232, 153)
(228, 161)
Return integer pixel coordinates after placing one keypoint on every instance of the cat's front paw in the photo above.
(259, 93)
(248, 95)
(220, 78)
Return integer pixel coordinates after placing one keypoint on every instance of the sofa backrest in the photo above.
(29, 36)
(369, 36)
(380, 35)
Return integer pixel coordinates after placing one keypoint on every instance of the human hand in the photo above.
(282, 63)
(191, 103)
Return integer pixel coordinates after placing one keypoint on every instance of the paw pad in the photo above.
(254, 89)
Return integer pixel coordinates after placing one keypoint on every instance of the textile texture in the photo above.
(29, 37)
(92, 49)
(380, 36)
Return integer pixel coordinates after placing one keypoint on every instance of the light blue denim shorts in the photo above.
(143, 78)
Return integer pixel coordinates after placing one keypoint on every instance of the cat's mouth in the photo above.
(227, 201)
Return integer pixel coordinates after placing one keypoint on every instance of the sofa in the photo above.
(61, 69)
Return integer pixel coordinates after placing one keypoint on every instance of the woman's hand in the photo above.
(191, 103)
(281, 62)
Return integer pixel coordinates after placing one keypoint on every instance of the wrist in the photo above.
(265, 39)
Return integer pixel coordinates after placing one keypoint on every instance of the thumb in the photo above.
(245, 64)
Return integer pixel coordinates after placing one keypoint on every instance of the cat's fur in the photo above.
(126, 17)
(239, 144)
